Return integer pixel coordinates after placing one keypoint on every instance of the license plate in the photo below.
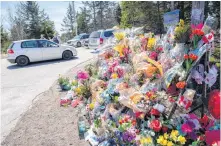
(94, 41)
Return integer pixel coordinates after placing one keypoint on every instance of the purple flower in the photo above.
(193, 135)
(128, 137)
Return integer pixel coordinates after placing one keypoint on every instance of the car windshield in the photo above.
(95, 34)
(108, 33)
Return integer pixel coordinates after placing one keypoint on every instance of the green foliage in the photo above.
(83, 20)
(5, 42)
(69, 20)
(118, 14)
(63, 81)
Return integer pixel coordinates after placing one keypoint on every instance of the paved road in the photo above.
(19, 86)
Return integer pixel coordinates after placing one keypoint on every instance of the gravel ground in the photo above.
(46, 123)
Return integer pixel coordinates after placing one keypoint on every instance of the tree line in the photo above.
(29, 21)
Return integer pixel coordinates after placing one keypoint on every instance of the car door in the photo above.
(50, 50)
(32, 51)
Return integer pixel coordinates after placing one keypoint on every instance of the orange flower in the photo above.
(181, 84)
(185, 56)
(193, 57)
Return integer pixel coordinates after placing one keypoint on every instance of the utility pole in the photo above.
(172, 5)
(75, 18)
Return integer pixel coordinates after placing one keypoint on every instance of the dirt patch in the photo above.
(46, 123)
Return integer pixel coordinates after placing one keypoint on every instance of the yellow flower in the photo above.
(165, 135)
(119, 35)
(142, 141)
(174, 135)
(169, 143)
(151, 43)
(78, 90)
(114, 76)
(181, 139)
(119, 48)
(160, 139)
(91, 106)
(148, 140)
(164, 142)
(181, 22)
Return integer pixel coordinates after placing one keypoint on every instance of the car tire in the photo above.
(67, 55)
(78, 44)
(22, 61)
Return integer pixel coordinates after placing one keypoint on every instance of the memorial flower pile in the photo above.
(137, 94)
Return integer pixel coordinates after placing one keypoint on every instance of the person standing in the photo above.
(56, 39)
(42, 37)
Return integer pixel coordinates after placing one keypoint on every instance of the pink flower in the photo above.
(82, 75)
(153, 55)
(160, 49)
(199, 26)
(186, 128)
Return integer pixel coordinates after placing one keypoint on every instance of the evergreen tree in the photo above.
(83, 20)
(32, 20)
(118, 14)
(69, 20)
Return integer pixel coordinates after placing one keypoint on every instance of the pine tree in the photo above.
(69, 20)
(83, 20)
(33, 20)
(118, 14)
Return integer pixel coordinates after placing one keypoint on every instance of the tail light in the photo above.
(101, 40)
(10, 51)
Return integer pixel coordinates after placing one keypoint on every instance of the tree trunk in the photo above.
(182, 10)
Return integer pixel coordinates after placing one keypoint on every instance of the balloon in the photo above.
(214, 103)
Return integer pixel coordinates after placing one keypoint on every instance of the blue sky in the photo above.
(56, 11)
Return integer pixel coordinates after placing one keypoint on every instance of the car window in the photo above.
(46, 44)
(95, 34)
(86, 36)
(42, 43)
(11, 46)
(29, 44)
(52, 44)
(108, 33)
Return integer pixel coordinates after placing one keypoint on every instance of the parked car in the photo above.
(24, 51)
(78, 40)
(86, 42)
(97, 39)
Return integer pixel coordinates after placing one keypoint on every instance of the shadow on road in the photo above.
(40, 63)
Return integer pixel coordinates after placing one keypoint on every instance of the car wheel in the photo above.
(22, 61)
(67, 55)
(78, 44)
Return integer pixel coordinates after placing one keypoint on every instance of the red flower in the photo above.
(155, 125)
(153, 55)
(185, 56)
(139, 115)
(154, 112)
(160, 49)
(197, 32)
(204, 120)
(181, 85)
(193, 57)
(164, 129)
(171, 99)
